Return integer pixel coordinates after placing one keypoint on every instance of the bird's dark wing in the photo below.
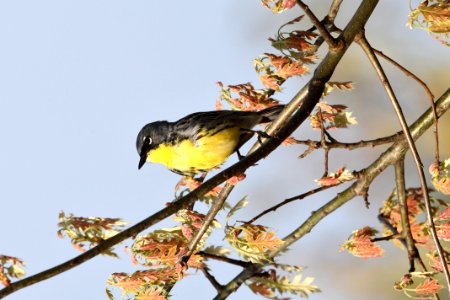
(200, 124)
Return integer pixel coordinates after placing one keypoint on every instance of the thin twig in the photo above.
(352, 146)
(221, 258)
(330, 137)
(193, 242)
(406, 226)
(328, 21)
(407, 73)
(308, 151)
(329, 39)
(200, 180)
(334, 8)
(212, 279)
(401, 239)
(215, 208)
(393, 236)
(286, 201)
(380, 72)
(427, 89)
(237, 281)
(323, 142)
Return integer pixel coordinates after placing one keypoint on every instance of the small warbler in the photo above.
(201, 141)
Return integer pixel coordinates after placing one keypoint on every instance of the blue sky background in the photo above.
(78, 79)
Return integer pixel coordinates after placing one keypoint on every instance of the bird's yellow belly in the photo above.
(205, 154)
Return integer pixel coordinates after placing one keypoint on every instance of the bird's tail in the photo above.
(271, 114)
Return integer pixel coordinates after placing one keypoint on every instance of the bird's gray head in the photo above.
(150, 137)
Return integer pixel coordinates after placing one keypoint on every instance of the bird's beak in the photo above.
(142, 160)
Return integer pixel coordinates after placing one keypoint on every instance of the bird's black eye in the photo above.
(147, 140)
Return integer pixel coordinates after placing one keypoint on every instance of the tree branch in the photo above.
(398, 236)
(236, 262)
(212, 279)
(286, 201)
(352, 146)
(323, 143)
(427, 89)
(215, 208)
(402, 202)
(380, 72)
(334, 8)
(329, 39)
(387, 237)
(389, 157)
(316, 87)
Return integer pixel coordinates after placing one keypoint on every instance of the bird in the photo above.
(201, 141)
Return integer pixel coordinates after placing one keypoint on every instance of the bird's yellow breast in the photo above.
(205, 154)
